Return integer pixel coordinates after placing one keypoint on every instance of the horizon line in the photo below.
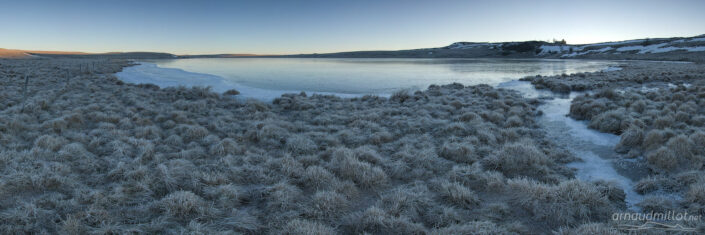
(303, 53)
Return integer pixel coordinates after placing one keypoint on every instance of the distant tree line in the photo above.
(528, 46)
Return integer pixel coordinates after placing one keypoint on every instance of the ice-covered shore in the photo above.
(143, 73)
(149, 73)
(591, 147)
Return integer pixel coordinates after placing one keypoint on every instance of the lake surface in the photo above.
(267, 78)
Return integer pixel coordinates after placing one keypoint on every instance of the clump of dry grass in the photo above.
(317, 177)
(696, 193)
(364, 174)
(663, 159)
(458, 152)
(658, 203)
(300, 144)
(631, 138)
(568, 203)
(589, 228)
(182, 204)
(231, 92)
(329, 205)
(400, 96)
(459, 195)
(520, 159)
(304, 227)
(475, 227)
(612, 121)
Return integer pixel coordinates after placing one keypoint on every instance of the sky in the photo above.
(302, 26)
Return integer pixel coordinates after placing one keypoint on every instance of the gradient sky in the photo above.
(290, 26)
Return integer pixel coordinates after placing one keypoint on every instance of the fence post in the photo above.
(24, 102)
(68, 78)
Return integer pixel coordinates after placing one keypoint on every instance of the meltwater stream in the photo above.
(594, 148)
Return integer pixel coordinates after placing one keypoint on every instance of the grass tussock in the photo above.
(569, 203)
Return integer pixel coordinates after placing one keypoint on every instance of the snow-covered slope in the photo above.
(638, 46)
(641, 46)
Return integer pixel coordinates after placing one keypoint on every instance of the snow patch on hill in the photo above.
(638, 46)
(553, 49)
(595, 51)
(659, 48)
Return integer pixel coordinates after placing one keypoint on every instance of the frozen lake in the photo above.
(267, 78)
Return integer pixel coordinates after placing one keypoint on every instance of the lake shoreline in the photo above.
(267, 78)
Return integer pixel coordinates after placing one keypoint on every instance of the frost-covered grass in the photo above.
(96, 155)
(664, 129)
(632, 72)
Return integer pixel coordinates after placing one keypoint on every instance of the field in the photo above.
(83, 152)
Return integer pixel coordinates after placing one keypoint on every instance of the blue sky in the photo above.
(284, 27)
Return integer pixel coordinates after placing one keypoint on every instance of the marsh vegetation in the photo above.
(662, 128)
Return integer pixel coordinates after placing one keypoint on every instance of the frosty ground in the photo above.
(657, 109)
(83, 152)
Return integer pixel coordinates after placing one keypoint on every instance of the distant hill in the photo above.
(677, 48)
(26, 54)
(111, 55)
(219, 56)
(8, 53)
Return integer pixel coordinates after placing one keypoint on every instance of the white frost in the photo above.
(171, 77)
